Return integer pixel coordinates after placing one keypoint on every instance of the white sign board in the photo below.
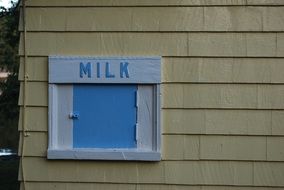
(138, 70)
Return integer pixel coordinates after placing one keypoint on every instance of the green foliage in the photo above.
(9, 62)
(9, 38)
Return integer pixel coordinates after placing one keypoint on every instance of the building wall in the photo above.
(222, 90)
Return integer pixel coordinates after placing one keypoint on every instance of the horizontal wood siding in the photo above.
(222, 90)
(177, 19)
(67, 3)
(195, 70)
(195, 121)
(236, 173)
(153, 43)
(225, 96)
(196, 147)
(116, 186)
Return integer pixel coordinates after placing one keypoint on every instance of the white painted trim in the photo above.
(60, 126)
(52, 116)
(65, 130)
(145, 117)
(141, 70)
(149, 134)
(63, 73)
(103, 154)
(157, 118)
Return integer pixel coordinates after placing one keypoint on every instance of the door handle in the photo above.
(74, 115)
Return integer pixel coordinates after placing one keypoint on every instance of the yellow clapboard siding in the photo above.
(183, 121)
(35, 144)
(235, 122)
(193, 147)
(238, 188)
(163, 44)
(270, 96)
(200, 147)
(273, 18)
(115, 186)
(67, 3)
(93, 171)
(156, 19)
(209, 173)
(79, 19)
(194, 95)
(36, 119)
(193, 70)
(170, 172)
(223, 96)
(37, 68)
(277, 122)
(280, 44)
(268, 173)
(188, 146)
(78, 186)
(265, 2)
(180, 147)
(275, 149)
(236, 44)
(36, 94)
(223, 70)
(136, 2)
(243, 19)
(106, 44)
(232, 148)
(108, 186)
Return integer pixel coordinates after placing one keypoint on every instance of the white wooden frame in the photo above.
(61, 130)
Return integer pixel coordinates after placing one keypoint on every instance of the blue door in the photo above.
(107, 116)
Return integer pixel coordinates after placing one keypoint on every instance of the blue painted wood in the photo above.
(107, 116)
(134, 70)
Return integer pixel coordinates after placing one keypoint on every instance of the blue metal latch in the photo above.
(74, 115)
